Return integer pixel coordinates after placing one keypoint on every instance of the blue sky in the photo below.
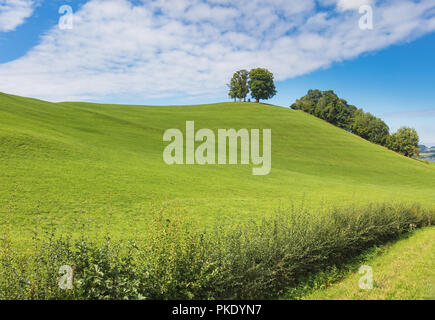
(184, 52)
(396, 84)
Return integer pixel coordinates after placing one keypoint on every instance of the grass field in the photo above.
(93, 170)
(81, 165)
(404, 271)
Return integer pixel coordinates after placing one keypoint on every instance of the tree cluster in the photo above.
(328, 106)
(258, 82)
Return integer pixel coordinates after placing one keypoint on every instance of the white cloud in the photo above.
(191, 47)
(344, 5)
(13, 13)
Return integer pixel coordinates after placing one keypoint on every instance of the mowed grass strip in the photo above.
(405, 271)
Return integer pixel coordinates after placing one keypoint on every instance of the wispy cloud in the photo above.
(13, 13)
(191, 47)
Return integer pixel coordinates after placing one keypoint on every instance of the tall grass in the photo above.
(176, 259)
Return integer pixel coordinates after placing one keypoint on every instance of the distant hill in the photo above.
(422, 147)
(427, 152)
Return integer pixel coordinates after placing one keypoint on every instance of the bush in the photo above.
(405, 141)
(179, 260)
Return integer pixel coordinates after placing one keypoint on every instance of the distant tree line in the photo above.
(328, 106)
(259, 82)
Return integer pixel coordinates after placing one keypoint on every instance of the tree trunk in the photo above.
(258, 100)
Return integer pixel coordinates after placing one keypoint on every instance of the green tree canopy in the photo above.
(232, 94)
(370, 128)
(328, 106)
(261, 84)
(239, 85)
(405, 141)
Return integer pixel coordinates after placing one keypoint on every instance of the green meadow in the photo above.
(96, 173)
(99, 168)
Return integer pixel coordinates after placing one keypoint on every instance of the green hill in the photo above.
(69, 164)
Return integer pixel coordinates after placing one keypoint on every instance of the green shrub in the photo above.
(179, 260)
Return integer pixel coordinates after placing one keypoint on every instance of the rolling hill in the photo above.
(81, 165)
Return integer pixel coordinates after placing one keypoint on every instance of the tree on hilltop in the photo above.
(239, 85)
(261, 84)
(231, 93)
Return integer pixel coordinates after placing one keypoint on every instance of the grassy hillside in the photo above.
(404, 271)
(74, 165)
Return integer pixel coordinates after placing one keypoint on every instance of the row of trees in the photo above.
(259, 82)
(328, 106)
